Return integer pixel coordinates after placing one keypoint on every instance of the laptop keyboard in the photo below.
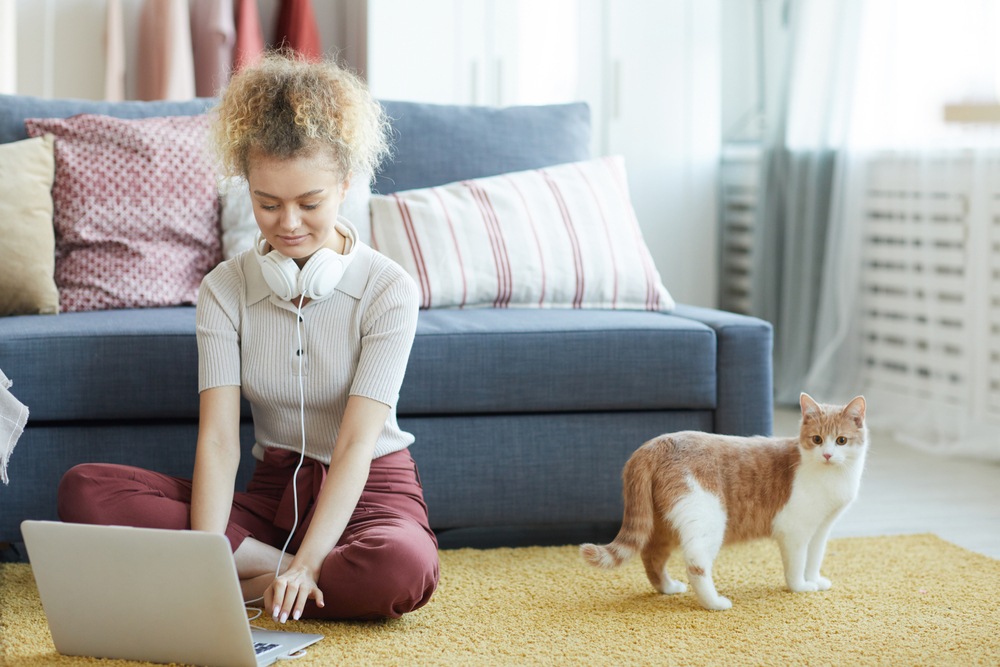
(261, 647)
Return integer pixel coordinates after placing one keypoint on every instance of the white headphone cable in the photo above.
(302, 452)
(302, 427)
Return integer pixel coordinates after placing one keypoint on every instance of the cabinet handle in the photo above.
(474, 82)
(616, 90)
(499, 82)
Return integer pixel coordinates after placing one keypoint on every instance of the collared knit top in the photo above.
(355, 342)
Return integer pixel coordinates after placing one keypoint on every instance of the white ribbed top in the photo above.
(356, 342)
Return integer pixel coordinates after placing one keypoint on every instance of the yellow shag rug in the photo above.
(905, 600)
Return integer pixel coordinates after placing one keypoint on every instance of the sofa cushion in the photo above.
(27, 254)
(136, 209)
(109, 364)
(142, 363)
(433, 144)
(520, 361)
(564, 236)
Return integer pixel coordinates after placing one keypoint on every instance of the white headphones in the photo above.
(316, 280)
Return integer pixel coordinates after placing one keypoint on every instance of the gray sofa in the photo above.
(522, 417)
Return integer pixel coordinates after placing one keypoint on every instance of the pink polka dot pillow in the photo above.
(560, 237)
(136, 210)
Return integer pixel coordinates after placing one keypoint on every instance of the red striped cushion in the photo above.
(559, 237)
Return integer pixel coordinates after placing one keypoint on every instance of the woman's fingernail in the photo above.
(284, 617)
(296, 614)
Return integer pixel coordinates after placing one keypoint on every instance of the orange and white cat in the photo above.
(698, 491)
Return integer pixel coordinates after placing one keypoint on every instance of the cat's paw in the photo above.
(823, 584)
(673, 587)
(803, 587)
(719, 603)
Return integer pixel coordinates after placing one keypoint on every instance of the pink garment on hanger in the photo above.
(213, 36)
(249, 36)
(166, 65)
(297, 29)
(114, 52)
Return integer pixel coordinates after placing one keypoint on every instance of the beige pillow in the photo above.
(27, 254)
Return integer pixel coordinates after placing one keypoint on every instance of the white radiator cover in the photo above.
(739, 179)
(930, 277)
(931, 263)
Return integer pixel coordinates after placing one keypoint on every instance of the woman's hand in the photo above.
(288, 593)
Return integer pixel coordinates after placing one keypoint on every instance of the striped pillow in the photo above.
(559, 237)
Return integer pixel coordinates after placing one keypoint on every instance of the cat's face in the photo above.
(832, 434)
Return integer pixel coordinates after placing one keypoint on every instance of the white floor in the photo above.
(905, 490)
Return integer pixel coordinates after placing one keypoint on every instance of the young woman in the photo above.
(314, 329)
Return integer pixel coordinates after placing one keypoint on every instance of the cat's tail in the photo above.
(637, 522)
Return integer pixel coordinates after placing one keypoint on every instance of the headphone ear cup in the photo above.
(321, 274)
(281, 274)
(317, 279)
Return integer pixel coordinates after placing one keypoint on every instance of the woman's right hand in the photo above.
(288, 593)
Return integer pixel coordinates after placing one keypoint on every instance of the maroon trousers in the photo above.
(386, 563)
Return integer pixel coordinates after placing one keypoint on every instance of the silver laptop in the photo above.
(145, 594)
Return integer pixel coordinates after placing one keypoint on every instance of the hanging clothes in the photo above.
(114, 52)
(297, 29)
(213, 37)
(166, 63)
(249, 36)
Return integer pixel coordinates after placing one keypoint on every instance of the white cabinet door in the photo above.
(649, 69)
(662, 115)
(544, 50)
(486, 52)
(419, 51)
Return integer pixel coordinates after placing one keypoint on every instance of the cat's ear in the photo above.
(809, 406)
(856, 410)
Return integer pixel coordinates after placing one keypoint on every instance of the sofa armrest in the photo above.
(745, 393)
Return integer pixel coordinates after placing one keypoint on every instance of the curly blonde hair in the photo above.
(285, 106)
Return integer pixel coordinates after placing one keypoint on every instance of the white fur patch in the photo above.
(698, 514)
(819, 490)
(700, 522)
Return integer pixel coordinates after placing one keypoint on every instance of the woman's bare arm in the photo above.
(217, 459)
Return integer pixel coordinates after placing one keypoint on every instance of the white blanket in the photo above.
(13, 417)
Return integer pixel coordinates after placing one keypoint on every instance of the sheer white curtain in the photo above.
(799, 178)
(909, 308)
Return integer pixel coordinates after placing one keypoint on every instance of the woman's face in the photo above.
(296, 201)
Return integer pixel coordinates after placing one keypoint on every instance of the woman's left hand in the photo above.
(288, 593)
